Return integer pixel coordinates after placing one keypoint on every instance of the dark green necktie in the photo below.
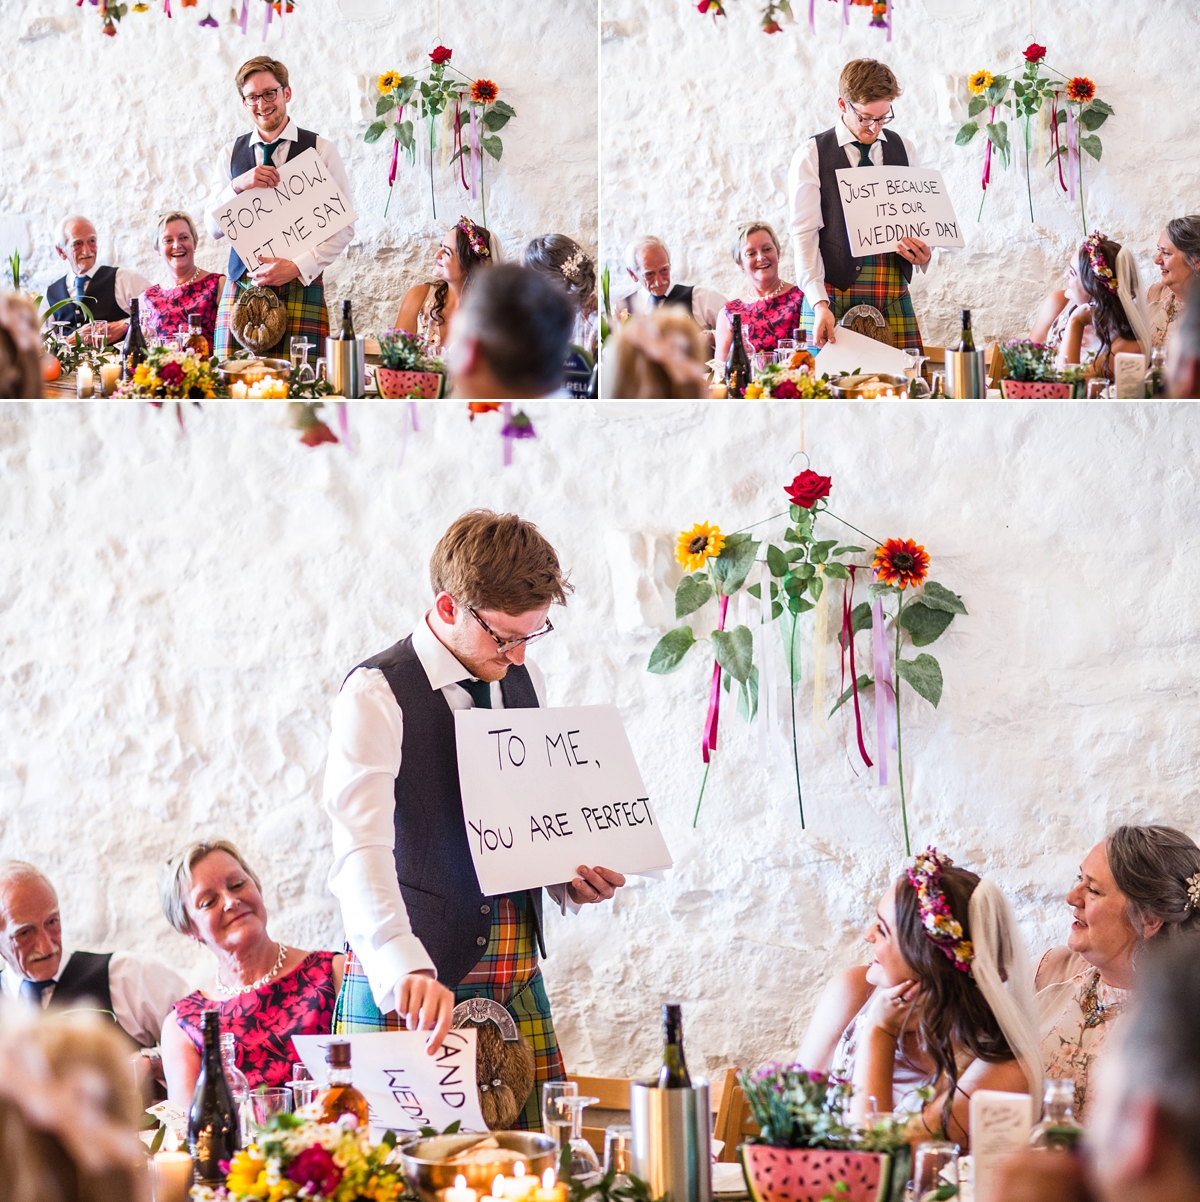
(269, 152)
(864, 154)
(481, 692)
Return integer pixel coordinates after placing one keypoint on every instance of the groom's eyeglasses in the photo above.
(503, 645)
(865, 120)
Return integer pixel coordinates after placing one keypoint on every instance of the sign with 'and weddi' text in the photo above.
(299, 213)
(546, 790)
(884, 204)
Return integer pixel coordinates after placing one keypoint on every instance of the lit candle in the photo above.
(238, 390)
(548, 1179)
(460, 1192)
(498, 1186)
(83, 381)
(519, 1187)
(171, 1176)
(110, 374)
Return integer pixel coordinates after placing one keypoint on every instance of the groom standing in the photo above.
(253, 162)
(832, 280)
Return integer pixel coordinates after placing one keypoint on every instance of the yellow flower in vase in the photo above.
(980, 82)
(694, 546)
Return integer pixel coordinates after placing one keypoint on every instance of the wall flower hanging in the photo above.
(795, 578)
(777, 13)
(1064, 110)
(471, 108)
(110, 13)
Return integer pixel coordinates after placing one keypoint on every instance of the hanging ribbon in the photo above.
(1072, 151)
(987, 155)
(267, 19)
(245, 17)
(888, 19)
(708, 743)
(845, 19)
(820, 641)
(848, 645)
(885, 698)
(282, 10)
(408, 421)
(476, 161)
(344, 426)
(766, 673)
(395, 153)
(1054, 140)
(167, 7)
(458, 144)
(812, 16)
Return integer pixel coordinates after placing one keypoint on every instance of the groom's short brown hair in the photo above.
(865, 80)
(262, 62)
(497, 561)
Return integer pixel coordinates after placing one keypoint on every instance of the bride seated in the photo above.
(428, 308)
(946, 1004)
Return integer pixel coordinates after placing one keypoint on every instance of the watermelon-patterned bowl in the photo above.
(1022, 389)
(810, 1174)
(395, 383)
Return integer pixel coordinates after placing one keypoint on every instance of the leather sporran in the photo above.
(259, 319)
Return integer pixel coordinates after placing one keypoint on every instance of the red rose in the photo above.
(316, 434)
(440, 55)
(807, 488)
(786, 391)
(315, 1166)
(1034, 53)
(171, 374)
(703, 6)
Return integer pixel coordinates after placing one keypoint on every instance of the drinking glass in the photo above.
(321, 370)
(939, 385)
(583, 1156)
(782, 355)
(618, 1150)
(99, 335)
(269, 1102)
(556, 1120)
(1097, 388)
(299, 346)
(915, 374)
(786, 344)
(935, 1171)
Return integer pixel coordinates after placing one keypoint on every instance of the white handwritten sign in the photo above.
(300, 212)
(884, 204)
(405, 1087)
(1000, 1125)
(545, 790)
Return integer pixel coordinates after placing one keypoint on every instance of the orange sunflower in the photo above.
(1081, 89)
(483, 91)
(694, 546)
(900, 562)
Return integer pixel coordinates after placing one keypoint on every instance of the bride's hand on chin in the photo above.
(891, 1008)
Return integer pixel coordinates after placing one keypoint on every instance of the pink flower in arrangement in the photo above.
(772, 26)
(315, 1167)
(171, 374)
(1034, 53)
(210, 21)
(440, 55)
(785, 389)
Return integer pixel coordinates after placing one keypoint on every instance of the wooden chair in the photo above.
(725, 1099)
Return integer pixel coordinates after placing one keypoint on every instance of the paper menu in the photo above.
(854, 351)
(1000, 1126)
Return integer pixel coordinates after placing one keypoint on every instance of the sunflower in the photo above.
(389, 81)
(1081, 90)
(694, 546)
(900, 562)
(483, 91)
(980, 82)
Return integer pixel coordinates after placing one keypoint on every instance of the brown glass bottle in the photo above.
(341, 1097)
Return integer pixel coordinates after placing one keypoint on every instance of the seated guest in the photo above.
(661, 354)
(427, 309)
(1050, 328)
(1143, 1144)
(135, 991)
(20, 349)
(947, 1002)
(1183, 350)
(770, 308)
(266, 991)
(562, 259)
(190, 291)
(106, 291)
(69, 1113)
(648, 263)
(1116, 307)
(1178, 260)
(1133, 889)
(511, 336)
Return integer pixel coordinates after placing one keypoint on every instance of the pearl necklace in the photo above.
(782, 286)
(234, 991)
(195, 274)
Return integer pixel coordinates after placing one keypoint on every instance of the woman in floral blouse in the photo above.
(266, 991)
(1177, 258)
(769, 307)
(190, 291)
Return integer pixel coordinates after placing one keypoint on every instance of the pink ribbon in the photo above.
(987, 156)
(344, 425)
(848, 644)
(1062, 183)
(476, 160)
(167, 7)
(408, 421)
(245, 17)
(267, 20)
(395, 158)
(845, 18)
(458, 143)
(709, 743)
(1072, 151)
(812, 16)
(885, 698)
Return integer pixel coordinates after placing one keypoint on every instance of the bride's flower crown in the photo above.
(941, 927)
(1095, 256)
(475, 237)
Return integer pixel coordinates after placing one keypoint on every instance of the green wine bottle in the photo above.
(673, 1074)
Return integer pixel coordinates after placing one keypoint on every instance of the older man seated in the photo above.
(648, 263)
(106, 291)
(136, 991)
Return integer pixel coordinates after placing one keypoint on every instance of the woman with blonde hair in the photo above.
(660, 354)
(563, 260)
(770, 308)
(266, 992)
(190, 291)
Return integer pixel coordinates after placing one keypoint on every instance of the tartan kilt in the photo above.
(306, 315)
(508, 973)
(879, 283)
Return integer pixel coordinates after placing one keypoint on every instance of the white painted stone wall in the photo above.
(177, 612)
(127, 127)
(701, 122)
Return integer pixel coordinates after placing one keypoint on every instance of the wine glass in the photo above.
(915, 376)
(583, 1156)
(556, 1122)
(100, 334)
(269, 1102)
(299, 347)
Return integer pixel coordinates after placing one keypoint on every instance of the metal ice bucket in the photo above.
(966, 374)
(346, 365)
(672, 1140)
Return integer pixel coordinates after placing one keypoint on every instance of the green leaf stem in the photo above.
(734, 651)
(924, 674)
(937, 596)
(692, 593)
(669, 651)
(923, 623)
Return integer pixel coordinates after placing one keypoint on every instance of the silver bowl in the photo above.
(234, 369)
(426, 1167)
(879, 380)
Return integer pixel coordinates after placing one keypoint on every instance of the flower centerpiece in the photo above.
(296, 1157)
(1061, 107)
(1030, 371)
(478, 116)
(788, 383)
(408, 368)
(807, 1149)
(169, 374)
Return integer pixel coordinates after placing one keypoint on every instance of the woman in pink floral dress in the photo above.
(192, 291)
(770, 308)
